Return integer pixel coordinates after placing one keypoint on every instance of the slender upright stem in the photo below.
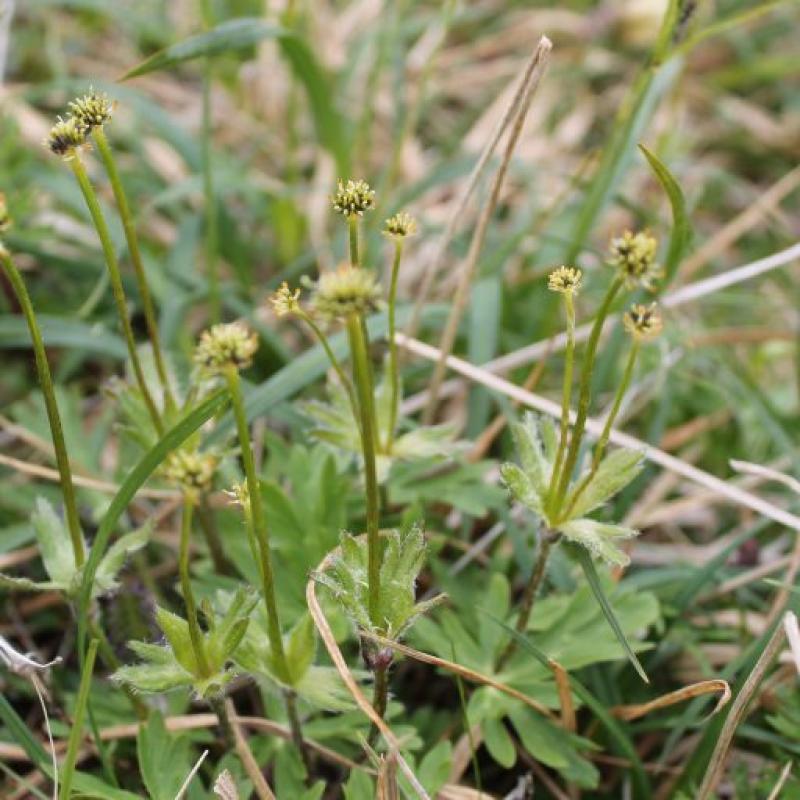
(76, 732)
(394, 368)
(602, 442)
(529, 597)
(352, 228)
(380, 696)
(211, 239)
(148, 308)
(585, 396)
(258, 533)
(53, 417)
(116, 285)
(362, 373)
(569, 360)
(195, 634)
(259, 522)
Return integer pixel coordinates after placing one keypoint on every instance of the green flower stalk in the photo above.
(223, 351)
(396, 228)
(66, 139)
(348, 294)
(351, 200)
(195, 634)
(93, 111)
(565, 281)
(585, 394)
(53, 416)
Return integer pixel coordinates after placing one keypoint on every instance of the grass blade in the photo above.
(142, 471)
(76, 730)
(234, 34)
(681, 234)
(585, 560)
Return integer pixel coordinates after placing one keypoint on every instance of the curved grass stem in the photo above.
(51, 407)
(116, 286)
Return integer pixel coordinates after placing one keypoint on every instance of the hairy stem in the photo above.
(394, 368)
(362, 374)
(195, 634)
(585, 396)
(259, 534)
(217, 703)
(569, 360)
(548, 539)
(116, 286)
(53, 416)
(352, 227)
(148, 308)
(602, 442)
(380, 696)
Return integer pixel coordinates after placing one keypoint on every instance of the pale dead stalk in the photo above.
(461, 296)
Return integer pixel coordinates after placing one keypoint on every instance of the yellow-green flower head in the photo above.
(224, 345)
(353, 198)
(643, 322)
(65, 136)
(634, 255)
(400, 225)
(285, 301)
(345, 291)
(5, 218)
(92, 110)
(566, 280)
(191, 469)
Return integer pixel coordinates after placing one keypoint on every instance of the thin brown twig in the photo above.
(461, 296)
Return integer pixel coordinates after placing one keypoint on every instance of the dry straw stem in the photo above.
(737, 713)
(457, 669)
(185, 787)
(686, 294)
(541, 58)
(460, 206)
(792, 630)
(188, 722)
(350, 682)
(742, 223)
(686, 693)
(784, 776)
(594, 428)
(49, 474)
(260, 784)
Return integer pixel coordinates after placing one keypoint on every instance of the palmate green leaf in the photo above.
(114, 559)
(229, 629)
(164, 759)
(522, 488)
(154, 678)
(599, 538)
(681, 234)
(498, 742)
(535, 440)
(613, 474)
(176, 631)
(54, 544)
(585, 560)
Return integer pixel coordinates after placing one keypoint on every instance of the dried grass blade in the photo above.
(630, 712)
